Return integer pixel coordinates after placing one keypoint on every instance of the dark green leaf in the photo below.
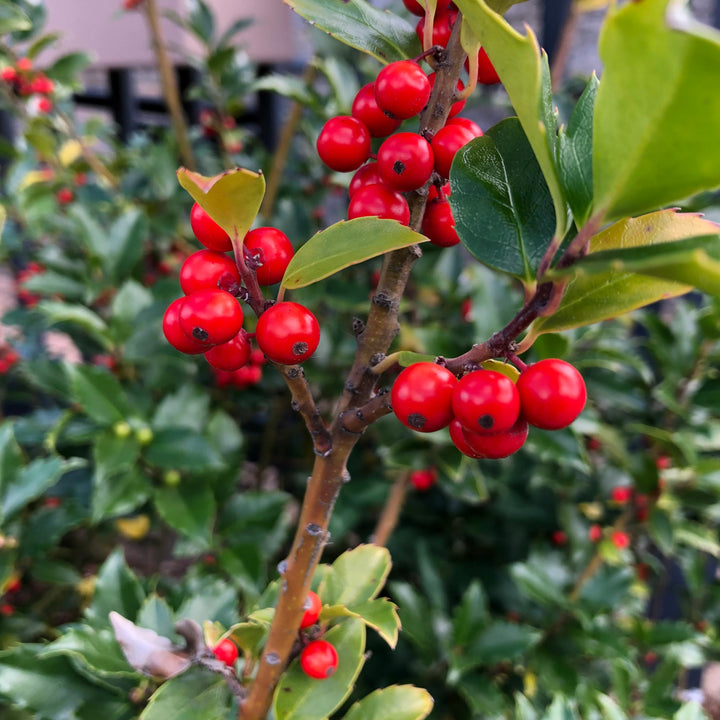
(501, 641)
(189, 509)
(67, 68)
(356, 576)
(187, 408)
(181, 448)
(99, 393)
(126, 244)
(216, 602)
(11, 458)
(75, 315)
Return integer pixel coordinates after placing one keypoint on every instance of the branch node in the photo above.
(272, 658)
(358, 326)
(313, 529)
(282, 567)
(382, 300)
(377, 358)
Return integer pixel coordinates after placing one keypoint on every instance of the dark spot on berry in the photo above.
(486, 421)
(299, 348)
(399, 167)
(416, 421)
(200, 335)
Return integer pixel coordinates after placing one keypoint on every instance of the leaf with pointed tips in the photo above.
(397, 702)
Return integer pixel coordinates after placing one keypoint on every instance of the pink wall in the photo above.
(115, 37)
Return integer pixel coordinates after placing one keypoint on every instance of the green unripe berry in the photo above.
(122, 429)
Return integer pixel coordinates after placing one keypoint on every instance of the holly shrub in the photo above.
(450, 449)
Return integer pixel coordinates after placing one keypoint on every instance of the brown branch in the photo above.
(562, 52)
(169, 85)
(303, 402)
(390, 514)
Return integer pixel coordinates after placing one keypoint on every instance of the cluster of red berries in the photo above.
(222, 127)
(27, 82)
(405, 161)
(245, 376)
(8, 358)
(487, 413)
(208, 318)
(26, 297)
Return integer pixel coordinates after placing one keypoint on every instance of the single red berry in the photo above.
(257, 357)
(468, 124)
(457, 435)
(663, 462)
(312, 607)
(405, 161)
(319, 659)
(445, 144)
(487, 74)
(494, 446)
(287, 333)
(8, 74)
(421, 396)
(442, 28)
(42, 85)
(64, 196)
(204, 269)
(466, 310)
(231, 355)
(622, 494)
(226, 651)
(620, 539)
(559, 538)
(174, 334)
(595, 533)
(24, 64)
(458, 105)
(366, 109)
(343, 143)
(52, 502)
(486, 401)
(402, 89)
(439, 224)
(367, 174)
(423, 480)
(272, 251)
(211, 317)
(594, 444)
(552, 393)
(417, 9)
(13, 585)
(207, 231)
(379, 201)
(7, 609)
(44, 105)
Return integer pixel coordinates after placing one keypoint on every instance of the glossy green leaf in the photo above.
(398, 702)
(575, 154)
(11, 457)
(189, 509)
(343, 244)
(118, 493)
(155, 614)
(471, 614)
(75, 316)
(382, 34)
(381, 615)
(592, 298)
(179, 447)
(12, 18)
(656, 107)
(126, 244)
(299, 697)
(610, 709)
(501, 641)
(217, 601)
(501, 204)
(232, 198)
(248, 636)
(99, 393)
(356, 576)
(192, 695)
(523, 69)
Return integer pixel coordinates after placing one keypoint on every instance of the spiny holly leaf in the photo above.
(381, 615)
(398, 702)
(592, 298)
(523, 69)
(358, 24)
(502, 207)
(232, 199)
(356, 576)
(344, 244)
(656, 107)
(299, 697)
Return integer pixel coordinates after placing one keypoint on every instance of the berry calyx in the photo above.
(319, 659)
(207, 231)
(211, 317)
(423, 480)
(204, 269)
(287, 333)
(226, 651)
(402, 89)
(494, 446)
(174, 334)
(552, 393)
(366, 109)
(343, 143)
(421, 396)
(312, 606)
(486, 401)
(272, 251)
(231, 355)
(405, 161)
(379, 201)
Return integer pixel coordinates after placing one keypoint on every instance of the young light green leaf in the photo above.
(343, 244)
(610, 709)
(232, 198)
(12, 18)
(398, 702)
(656, 107)
(384, 35)
(408, 357)
(356, 576)
(78, 315)
(381, 615)
(502, 207)
(592, 298)
(523, 69)
(299, 697)
(195, 694)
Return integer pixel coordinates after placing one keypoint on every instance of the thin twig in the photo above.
(390, 514)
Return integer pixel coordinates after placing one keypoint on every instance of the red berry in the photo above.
(497, 445)
(344, 143)
(287, 333)
(42, 85)
(24, 64)
(8, 74)
(620, 539)
(232, 355)
(64, 196)
(7, 609)
(417, 9)
(174, 334)
(366, 109)
(207, 231)
(552, 393)
(663, 462)
(559, 538)
(439, 224)
(379, 201)
(211, 317)
(319, 659)
(457, 435)
(273, 252)
(367, 174)
(468, 124)
(486, 401)
(204, 269)
(445, 144)
(226, 651)
(441, 192)
(44, 105)
(402, 89)
(422, 396)
(312, 607)
(458, 105)
(595, 533)
(442, 28)
(423, 480)
(622, 494)
(405, 161)
(487, 74)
